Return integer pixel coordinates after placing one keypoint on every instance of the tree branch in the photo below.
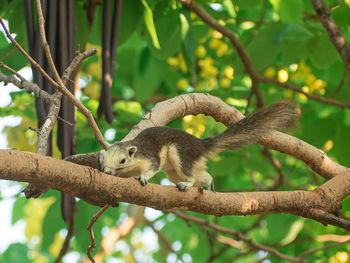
(98, 188)
(333, 31)
(196, 103)
(92, 237)
(236, 234)
(30, 59)
(22, 83)
(299, 90)
(61, 87)
(248, 65)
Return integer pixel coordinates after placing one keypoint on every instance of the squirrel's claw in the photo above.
(212, 186)
(142, 180)
(182, 186)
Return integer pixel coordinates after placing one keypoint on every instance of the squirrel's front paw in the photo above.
(183, 186)
(142, 180)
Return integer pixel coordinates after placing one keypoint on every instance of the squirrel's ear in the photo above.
(132, 150)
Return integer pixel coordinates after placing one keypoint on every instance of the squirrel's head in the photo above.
(118, 158)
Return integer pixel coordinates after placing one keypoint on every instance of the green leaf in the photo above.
(341, 15)
(341, 138)
(225, 165)
(265, 47)
(294, 230)
(147, 82)
(130, 19)
(82, 23)
(16, 11)
(290, 11)
(128, 111)
(17, 210)
(257, 162)
(323, 53)
(279, 226)
(294, 32)
(229, 7)
(294, 51)
(16, 253)
(95, 36)
(3, 40)
(12, 57)
(247, 4)
(169, 35)
(83, 217)
(49, 229)
(148, 17)
(188, 44)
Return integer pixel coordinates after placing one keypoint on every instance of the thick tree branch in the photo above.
(99, 189)
(333, 31)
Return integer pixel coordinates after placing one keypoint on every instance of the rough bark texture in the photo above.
(99, 189)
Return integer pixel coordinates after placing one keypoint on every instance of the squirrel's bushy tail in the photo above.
(279, 116)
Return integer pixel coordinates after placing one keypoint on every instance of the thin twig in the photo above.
(92, 236)
(66, 122)
(311, 251)
(278, 167)
(345, 75)
(326, 218)
(299, 90)
(3, 65)
(238, 235)
(98, 135)
(31, 60)
(242, 53)
(24, 84)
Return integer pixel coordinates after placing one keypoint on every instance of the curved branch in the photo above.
(196, 103)
(92, 236)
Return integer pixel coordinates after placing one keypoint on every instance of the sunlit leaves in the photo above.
(168, 30)
(149, 22)
(289, 11)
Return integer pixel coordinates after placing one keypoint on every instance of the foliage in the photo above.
(165, 50)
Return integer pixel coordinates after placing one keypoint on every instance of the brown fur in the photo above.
(182, 156)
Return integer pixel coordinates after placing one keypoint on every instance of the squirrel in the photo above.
(182, 156)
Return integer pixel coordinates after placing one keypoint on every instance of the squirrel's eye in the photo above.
(123, 160)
